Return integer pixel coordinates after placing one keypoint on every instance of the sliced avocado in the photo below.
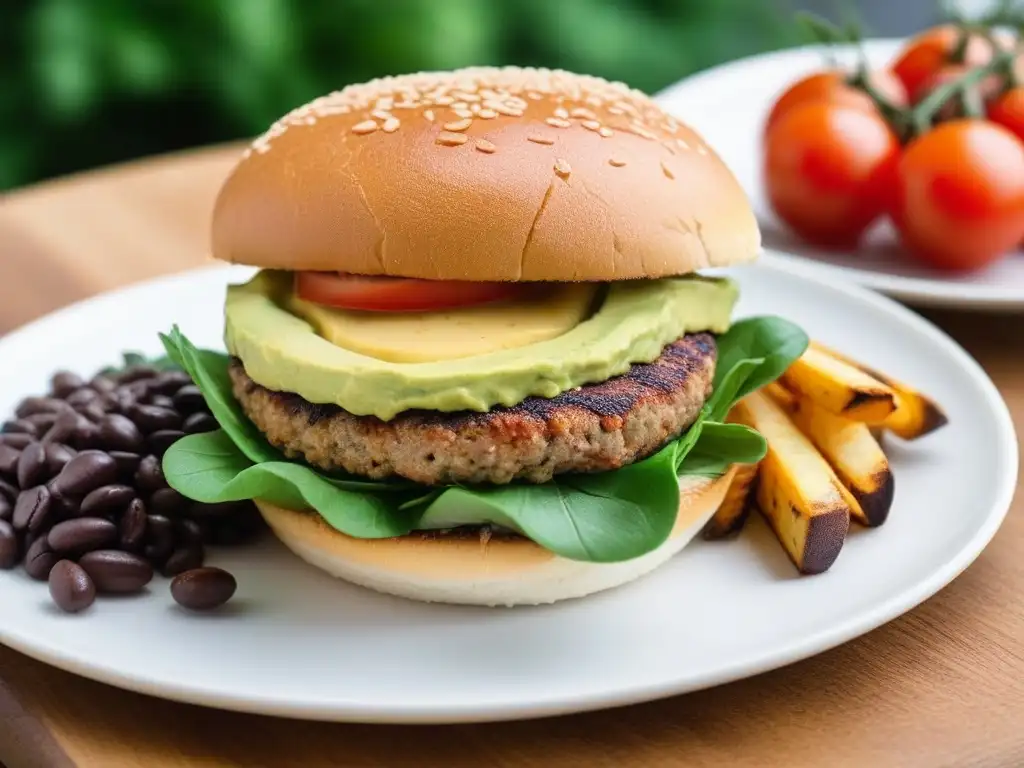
(632, 325)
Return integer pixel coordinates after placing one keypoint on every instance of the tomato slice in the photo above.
(396, 294)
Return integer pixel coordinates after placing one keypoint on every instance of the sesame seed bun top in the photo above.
(484, 174)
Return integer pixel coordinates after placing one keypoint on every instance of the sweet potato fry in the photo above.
(735, 507)
(797, 491)
(855, 456)
(840, 388)
(780, 395)
(916, 414)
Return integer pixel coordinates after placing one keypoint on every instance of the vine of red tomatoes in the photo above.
(934, 142)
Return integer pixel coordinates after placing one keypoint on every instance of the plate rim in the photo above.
(864, 621)
(921, 291)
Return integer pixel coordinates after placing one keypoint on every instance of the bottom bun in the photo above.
(471, 569)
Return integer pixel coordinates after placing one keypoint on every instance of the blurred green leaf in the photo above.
(97, 81)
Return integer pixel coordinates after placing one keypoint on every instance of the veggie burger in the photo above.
(477, 363)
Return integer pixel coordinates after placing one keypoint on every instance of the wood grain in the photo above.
(941, 686)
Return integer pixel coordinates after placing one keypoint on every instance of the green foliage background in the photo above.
(88, 82)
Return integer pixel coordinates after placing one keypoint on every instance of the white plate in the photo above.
(728, 106)
(296, 642)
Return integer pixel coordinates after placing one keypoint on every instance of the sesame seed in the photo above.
(682, 144)
(451, 139)
(701, 149)
(463, 113)
(482, 145)
(562, 168)
(616, 163)
(458, 125)
(558, 122)
(429, 114)
(498, 90)
(591, 125)
(540, 139)
(367, 126)
(667, 171)
(391, 125)
(605, 132)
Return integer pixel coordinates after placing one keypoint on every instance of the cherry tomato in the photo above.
(829, 170)
(960, 194)
(1008, 111)
(832, 86)
(927, 53)
(395, 294)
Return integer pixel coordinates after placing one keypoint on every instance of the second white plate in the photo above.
(728, 106)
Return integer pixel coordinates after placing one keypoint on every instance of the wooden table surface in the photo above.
(941, 686)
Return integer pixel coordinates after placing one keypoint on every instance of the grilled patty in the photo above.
(593, 428)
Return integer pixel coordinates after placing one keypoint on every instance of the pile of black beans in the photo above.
(83, 500)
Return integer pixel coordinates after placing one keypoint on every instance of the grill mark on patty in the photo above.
(611, 398)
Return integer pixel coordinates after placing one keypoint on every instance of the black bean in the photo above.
(64, 507)
(57, 455)
(102, 384)
(33, 405)
(189, 399)
(150, 475)
(8, 491)
(132, 533)
(203, 589)
(70, 587)
(6, 509)
(169, 382)
(119, 433)
(107, 499)
(65, 428)
(160, 539)
(136, 372)
(94, 412)
(10, 552)
(41, 421)
(184, 558)
(81, 535)
(22, 426)
(162, 439)
(161, 401)
(119, 400)
(127, 463)
(16, 440)
(151, 418)
(87, 435)
(167, 502)
(32, 466)
(117, 572)
(39, 559)
(86, 472)
(200, 422)
(139, 390)
(9, 461)
(33, 509)
(64, 383)
(191, 532)
(82, 397)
